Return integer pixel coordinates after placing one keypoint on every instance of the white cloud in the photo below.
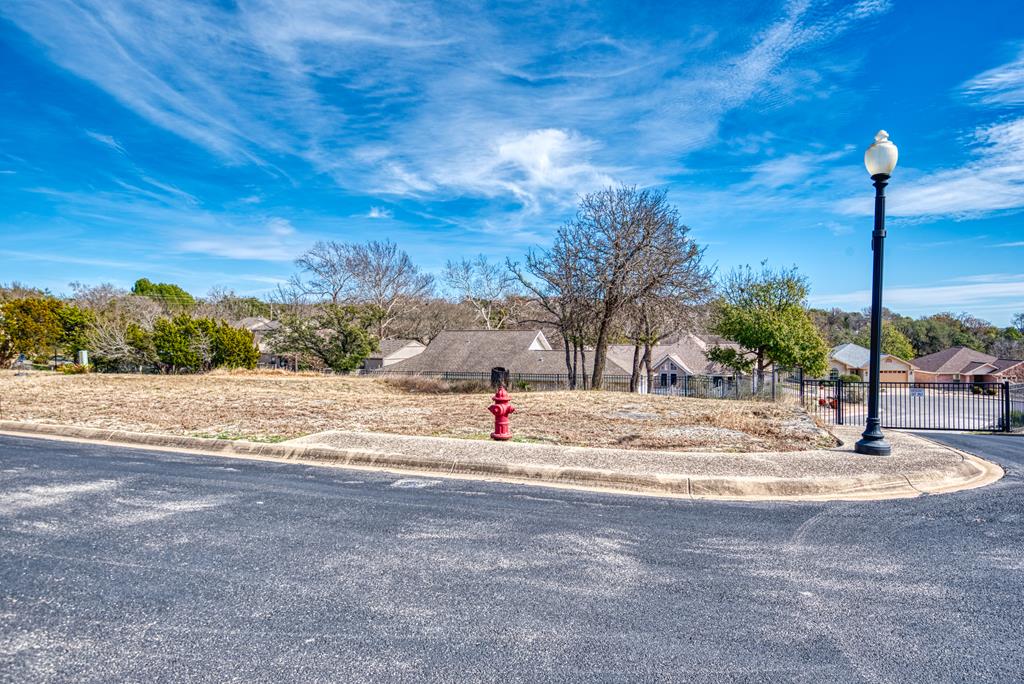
(108, 140)
(993, 292)
(273, 243)
(379, 213)
(792, 169)
(1011, 244)
(993, 180)
(1003, 85)
(468, 101)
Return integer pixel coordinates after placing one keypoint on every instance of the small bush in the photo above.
(469, 387)
(75, 368)
(416, 384)
(419, 384)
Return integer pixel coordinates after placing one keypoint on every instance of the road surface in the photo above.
(130, 565)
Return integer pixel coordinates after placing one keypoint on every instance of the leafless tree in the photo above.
(95, 297)
(430, 317)
(328, 270)
(632, 247)
(556, 280)
(377, 274)
(490, 288)
(385, 277)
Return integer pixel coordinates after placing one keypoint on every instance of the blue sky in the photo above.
(209, 144)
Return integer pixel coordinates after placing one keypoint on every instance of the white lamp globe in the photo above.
(881, 156)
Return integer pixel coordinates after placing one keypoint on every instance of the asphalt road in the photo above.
(130, 565)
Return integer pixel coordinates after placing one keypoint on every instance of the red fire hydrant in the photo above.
(501, 408)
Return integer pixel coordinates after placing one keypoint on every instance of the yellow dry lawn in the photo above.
(274, 407)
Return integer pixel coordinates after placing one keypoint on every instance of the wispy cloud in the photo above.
(379, 213)
(994, 291)
(476, 102)
(270, 243)
(108, 140)
(1003, 85)
(992, 180)
(1011, 244)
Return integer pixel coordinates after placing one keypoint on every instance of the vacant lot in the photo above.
(274, 407)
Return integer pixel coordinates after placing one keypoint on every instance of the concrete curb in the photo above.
(967, 473)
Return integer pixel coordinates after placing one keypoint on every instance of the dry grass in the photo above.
(278, 406)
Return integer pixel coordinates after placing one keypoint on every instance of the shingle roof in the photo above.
(688, 351)
(478, 351)
(390, 346)
(853, 355)
(952, 360)
(1006, 364)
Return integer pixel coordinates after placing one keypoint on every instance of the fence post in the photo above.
(773, 382)
(1007, 427)
(839, 401)
(801, 386)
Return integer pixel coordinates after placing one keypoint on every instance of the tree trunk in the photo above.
(568, 361)
(634, 379)
(755, 382)
(648, 351)
(600, 354)
(583, 367)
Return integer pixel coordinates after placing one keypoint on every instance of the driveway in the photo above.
(122, 564)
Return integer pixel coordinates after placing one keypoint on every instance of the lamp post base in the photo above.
(873, 445)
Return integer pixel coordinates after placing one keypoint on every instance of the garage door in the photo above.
(894, 376)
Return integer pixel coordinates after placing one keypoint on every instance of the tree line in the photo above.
(624, 269)
(152, 327)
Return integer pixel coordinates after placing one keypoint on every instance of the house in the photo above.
(685, 355)
(523, 353)
(963, 364)
(853, 359)
(392, 352)
(260, 327)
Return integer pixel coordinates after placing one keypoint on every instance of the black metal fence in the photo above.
(757, 386)
(982, 406)
(527, 382)
(1016, 406)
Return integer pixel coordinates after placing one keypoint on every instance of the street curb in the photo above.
(968, 473)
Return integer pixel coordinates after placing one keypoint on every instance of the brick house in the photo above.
(853, 359)
(963, 364)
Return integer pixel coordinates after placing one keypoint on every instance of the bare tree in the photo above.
(490, 288)
(329, 271)
(632, 247)
(376, 274)
(555, 279)
(431, 317)
(385, 277)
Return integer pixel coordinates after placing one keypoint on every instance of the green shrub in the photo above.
(234, 347)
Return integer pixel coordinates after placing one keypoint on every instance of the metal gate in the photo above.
(980, 406)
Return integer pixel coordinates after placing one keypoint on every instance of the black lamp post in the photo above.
(880, 160)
